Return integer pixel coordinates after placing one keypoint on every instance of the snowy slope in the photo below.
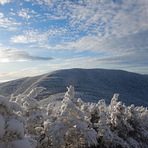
(94, 83)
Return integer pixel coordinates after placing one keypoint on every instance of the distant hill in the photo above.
(92, 84)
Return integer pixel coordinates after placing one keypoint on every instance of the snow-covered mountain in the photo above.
(63, 120)
(92, 84)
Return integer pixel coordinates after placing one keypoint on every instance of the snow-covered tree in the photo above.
(12, 126)
(71, 123)
(33, 113)
(121, 126)
(71, 130)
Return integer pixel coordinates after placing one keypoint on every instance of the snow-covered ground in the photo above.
(65, 121)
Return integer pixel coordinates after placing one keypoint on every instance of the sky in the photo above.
(40, 36)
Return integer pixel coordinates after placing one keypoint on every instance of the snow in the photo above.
(24, 143)
(4, 102)
(34, 92)
(29, 103)
(2, 126)
(70, 122)
(91, 135)
(15, 106)
(15, 127)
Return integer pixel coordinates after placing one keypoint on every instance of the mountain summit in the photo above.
(94, 84)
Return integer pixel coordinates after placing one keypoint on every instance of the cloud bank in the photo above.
(14, 55)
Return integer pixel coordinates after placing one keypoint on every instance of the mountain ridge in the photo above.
(97, 83)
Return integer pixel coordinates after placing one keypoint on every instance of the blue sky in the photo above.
(39, 36)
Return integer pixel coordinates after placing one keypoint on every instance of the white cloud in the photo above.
(8, 23)
(105, 17)
(12, 13)
(2, 2)
(30, 37)
(54, 17)
(24, 13)
(131, 62)
(12, 55)
(27, 13)
(1, 15)
(131, 18)
(116, 46)
(35, 36)
(86, 43)
(116, 28)
(130, 51)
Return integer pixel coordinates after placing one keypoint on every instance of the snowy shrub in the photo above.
(11, 125)
(68, 128)
(71, 123)
(33, 113)
(121, 126)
